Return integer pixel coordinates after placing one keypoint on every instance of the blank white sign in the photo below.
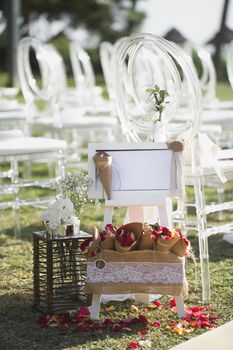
(140, 169)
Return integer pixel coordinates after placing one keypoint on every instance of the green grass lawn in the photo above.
(19, 327)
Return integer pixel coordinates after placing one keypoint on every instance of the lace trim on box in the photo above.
(147, 272)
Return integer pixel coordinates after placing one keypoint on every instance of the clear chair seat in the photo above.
(70, 120)
(219, 105)
(30, 145)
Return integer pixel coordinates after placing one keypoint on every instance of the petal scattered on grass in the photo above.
(145, 344)
(196, 318)
(133, 308)
(142, 332)
(156, 324)
(158, 304)
(110, 308)
(133, 345)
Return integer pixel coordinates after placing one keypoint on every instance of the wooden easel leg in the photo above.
(151, 214)
(108, 213)
(135, 214)
(180, 306)
(165, 213)
(95, 307)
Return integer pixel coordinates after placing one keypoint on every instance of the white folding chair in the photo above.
(143, 174)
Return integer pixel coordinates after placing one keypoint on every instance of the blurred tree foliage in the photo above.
(110, 19)
(106, 19)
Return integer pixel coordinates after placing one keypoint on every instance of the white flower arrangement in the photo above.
(75, 186)
(59, 212)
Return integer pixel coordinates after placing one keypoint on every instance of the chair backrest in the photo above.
(208, 77)
(142, 61)
(229, 63)
(29, 84)
(51, 68)
(82, 68)
(142, 173)
(106, 51)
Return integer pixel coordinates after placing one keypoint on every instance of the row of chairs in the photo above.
(78, 115)
(68, 119)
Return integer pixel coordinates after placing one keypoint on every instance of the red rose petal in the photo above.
(156, 324)
(158, 304)
(133, 345)
(116, 328)
(172, 303)
(143, 320)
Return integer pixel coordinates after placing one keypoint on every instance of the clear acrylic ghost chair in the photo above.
(85, 82)
(62, 122)
(215, 112)
(106, 51)
(17, 149)
(229, 63)
(135, 72)
(73, 103)
(199, 172)
(144, 63)
(133, 106)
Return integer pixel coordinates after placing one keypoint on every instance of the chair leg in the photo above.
(221, 199)
(16, 205)
(95, 307)
(203, 240)
(180, 306)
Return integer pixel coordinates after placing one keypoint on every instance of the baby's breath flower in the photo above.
(75, 185)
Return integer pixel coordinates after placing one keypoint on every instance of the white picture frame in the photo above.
(138, 169)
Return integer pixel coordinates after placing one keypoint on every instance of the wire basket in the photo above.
(59, 273)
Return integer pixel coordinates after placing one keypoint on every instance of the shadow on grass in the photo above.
(218, 249)
(24, 234)
(20, 329)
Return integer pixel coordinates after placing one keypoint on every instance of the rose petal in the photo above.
(110, 308)
(127, 329)
(133, 308)
(178, 330)
(133, 345)
(146, 344)
(172, 303)
(142, 331)
(107, 320)
(143, 320)
(84, 312)
(156, 324)
(158, 304)
(116, 328)
(44, 321)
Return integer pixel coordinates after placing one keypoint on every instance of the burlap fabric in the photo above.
(145, 271)
(179, 248)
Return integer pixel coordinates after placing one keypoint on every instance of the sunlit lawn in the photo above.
(19, 328)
